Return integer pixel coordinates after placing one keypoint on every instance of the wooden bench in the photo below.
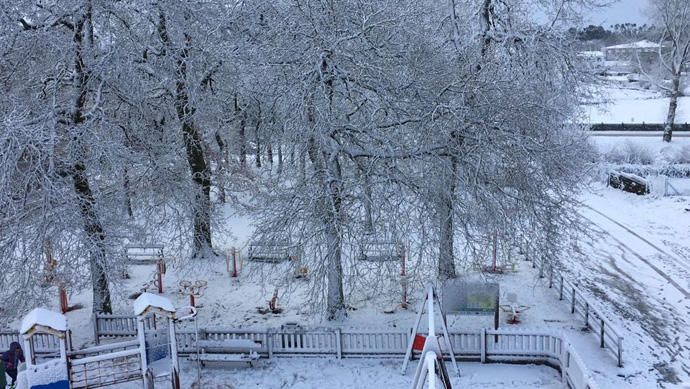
(272, 251)
(380, 251)
(229, 350)
(144, 254)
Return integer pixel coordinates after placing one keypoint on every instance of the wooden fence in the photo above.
(105, 365)
(608, 335)
(44, 344)
(486, 345)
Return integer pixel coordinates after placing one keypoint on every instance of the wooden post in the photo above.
(482, 345)
(572, 302)
(269, 335)
(560, 293)
(586, 314)
(142, 352)
(95, 329)
(620, 351)
(338, 343)
(602, 333)
(234, 263)
(64, 305)
(403, 279)
(541, 268)
(160, 270)
(550, 276)
(493, 264)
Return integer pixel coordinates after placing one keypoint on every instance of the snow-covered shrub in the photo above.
(631, 153)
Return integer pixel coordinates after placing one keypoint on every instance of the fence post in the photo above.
(338, 343)
(586, 314)
(541, 268)
(269, 335)
(602, 341)
(95, 328)
(620, 351)
(560, 294)
(550, 276)
(572, 303)
(482, 345)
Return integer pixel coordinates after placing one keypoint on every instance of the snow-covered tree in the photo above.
(673, 19)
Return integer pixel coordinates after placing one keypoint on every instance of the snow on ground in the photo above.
(636, 265)
(311, 373)
(632, 105)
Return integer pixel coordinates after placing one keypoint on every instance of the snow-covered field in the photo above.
(626, 104)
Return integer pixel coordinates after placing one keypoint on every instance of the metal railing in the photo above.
(608, 335)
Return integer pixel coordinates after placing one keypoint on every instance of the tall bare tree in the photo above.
(673, 18)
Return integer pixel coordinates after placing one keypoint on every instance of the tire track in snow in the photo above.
(656, 269)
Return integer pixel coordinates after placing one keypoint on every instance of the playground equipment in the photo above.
(431, 347)
(272, 305)
(52, 372)
(231, 262)
(379, 256)
(157, 347)
(194, 290)
(155, 281)
(513, 310)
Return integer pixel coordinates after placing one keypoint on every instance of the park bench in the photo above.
(381, 251)
(273, 252)
(144, 254)
(228, 350)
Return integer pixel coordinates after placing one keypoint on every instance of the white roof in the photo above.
(146, 300)
(45, 318)
(643, 44)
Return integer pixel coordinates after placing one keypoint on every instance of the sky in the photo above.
(622, 11)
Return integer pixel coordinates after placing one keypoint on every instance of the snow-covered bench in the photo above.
(380, 251)
(144, 254)
(272, 251)
(229, 350)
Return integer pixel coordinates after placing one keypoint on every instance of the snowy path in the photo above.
(645, 284)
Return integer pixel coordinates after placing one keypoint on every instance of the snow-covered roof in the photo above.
(643, 44)
(150, 300)
(44, 318)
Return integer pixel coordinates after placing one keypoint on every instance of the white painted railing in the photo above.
(608, 335)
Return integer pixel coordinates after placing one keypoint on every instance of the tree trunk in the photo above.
(201, 174)
(446, 259)
(280, 159)
(269, 153)
(94, 231)
(327, 169)
(220, 170)
(367, 200)
(128, 193)
(258, 143)
(243, 141)
(335, 304)
(672, 107)
(92, 224)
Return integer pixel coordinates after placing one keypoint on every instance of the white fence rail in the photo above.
(105, 365)
(482, 345)
(43, 343)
